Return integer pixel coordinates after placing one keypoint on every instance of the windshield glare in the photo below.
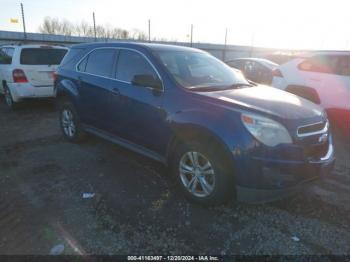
(195, 69)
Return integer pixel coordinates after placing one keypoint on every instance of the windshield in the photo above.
(200, 70)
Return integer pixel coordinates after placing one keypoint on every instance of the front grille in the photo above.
(313, 129)
(316, 151)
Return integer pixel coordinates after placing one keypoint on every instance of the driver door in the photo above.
(138, 113)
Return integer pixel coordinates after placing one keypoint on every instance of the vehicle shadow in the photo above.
(30, 106)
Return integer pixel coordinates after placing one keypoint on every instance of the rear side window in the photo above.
(6, 55)
(131, 63)
(344, 66)
(42, 56)
(99, 62)
(320, 64)
(235, 64)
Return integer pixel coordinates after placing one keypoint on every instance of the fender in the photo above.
(66, 88)
(206, 125)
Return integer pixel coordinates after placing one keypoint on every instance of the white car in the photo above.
(27, 71)
(322, 77)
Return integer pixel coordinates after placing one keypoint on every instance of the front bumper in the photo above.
(270, 179)
(21, 91)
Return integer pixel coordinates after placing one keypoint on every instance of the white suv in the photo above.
(27, 71)
(322, 77)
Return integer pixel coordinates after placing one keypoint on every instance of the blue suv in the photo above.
(221, 136)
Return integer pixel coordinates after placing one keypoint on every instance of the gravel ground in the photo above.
(137, 209)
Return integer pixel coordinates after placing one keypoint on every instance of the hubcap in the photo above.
(68, 123)
(197, 174)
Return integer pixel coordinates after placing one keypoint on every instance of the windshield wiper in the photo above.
(219, 88)
(237, 85)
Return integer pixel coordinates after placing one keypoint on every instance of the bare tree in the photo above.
(64, 27)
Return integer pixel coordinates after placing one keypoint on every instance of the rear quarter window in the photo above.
(72, 56)
(42, 56)
(6, 54)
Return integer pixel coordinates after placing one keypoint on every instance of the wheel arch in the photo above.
(306, 92)
(66, 90)
(200, 134)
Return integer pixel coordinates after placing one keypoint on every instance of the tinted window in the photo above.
(249, 67)
(82, 65)
(42, 56)
(72, 53)
(344, 66)
(235, 64)
(100, 62)
(6, 54)
(131, 63)
(320, 64)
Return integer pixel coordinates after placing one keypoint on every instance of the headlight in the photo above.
(267, 131)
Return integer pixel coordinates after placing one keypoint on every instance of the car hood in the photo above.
(268, 100)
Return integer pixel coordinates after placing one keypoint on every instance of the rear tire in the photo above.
(70, 123)
(202, 175)
(11, 105)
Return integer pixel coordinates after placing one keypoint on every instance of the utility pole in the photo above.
(191, 35)
(224, 55)
(252, 44)
(149, 30)
(93, 17)
(24, 23)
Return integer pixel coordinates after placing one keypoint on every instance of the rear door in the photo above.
(320, 73)
(39, 64)
(337, 86)
(6, 54)
(96, 87)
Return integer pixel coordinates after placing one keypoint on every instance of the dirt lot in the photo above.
(136, 209)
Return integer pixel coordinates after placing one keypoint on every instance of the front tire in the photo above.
(70, 123)
(202, 175)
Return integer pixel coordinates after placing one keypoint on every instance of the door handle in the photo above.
(115, 91)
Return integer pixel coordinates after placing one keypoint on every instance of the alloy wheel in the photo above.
(197, 174)
(68, 124)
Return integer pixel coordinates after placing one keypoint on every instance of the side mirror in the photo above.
(147, 81)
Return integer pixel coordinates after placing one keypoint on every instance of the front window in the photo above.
(131, 63)
(197, 70)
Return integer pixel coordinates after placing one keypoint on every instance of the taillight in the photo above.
(19, 76)
(54, 76)
(277, 72)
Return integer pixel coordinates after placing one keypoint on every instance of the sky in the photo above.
(289, 24)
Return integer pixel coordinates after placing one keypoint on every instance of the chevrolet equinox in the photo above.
(221, 136)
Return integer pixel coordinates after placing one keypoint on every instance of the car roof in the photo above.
(326, 52)
(34, 46)
(149, 46)
(264, 61)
